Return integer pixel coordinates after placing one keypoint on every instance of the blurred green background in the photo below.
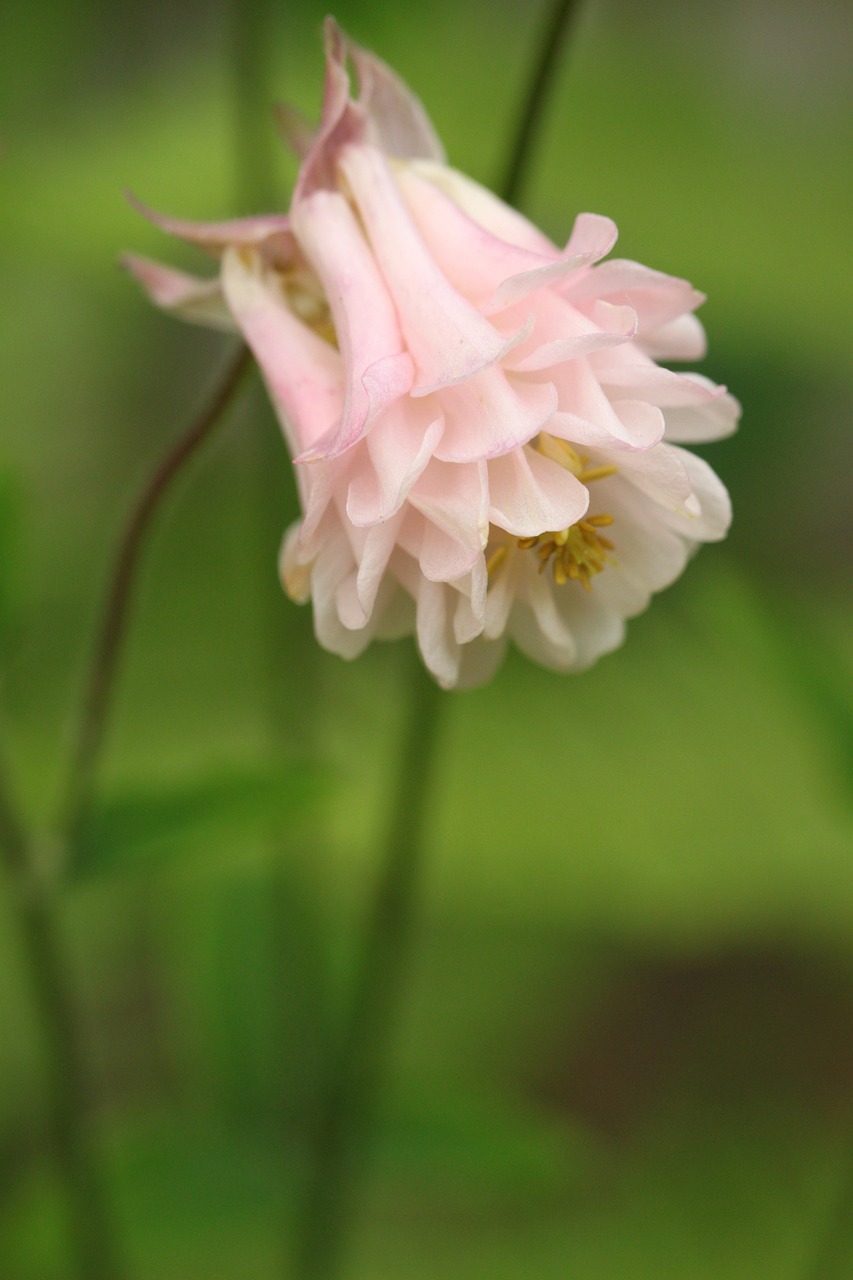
(627, 1047)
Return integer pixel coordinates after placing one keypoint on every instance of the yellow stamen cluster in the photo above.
(575, 554)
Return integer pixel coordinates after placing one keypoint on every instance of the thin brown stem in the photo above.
(102, 675)
(521, 154)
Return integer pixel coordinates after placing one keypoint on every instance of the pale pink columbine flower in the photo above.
(486, 446)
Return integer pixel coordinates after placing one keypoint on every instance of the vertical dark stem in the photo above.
(354, 1076)
(532, 110)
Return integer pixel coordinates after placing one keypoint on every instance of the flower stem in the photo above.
(355, 1073)
(545, 68)
(90, 1227)
(104, 667)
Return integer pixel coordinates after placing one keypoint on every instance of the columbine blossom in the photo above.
(486, 447)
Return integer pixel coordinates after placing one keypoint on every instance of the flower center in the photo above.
(575, 554)
(305, 297)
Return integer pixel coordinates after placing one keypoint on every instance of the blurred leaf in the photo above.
(149, 823)
(468, 1149)
(11, 529)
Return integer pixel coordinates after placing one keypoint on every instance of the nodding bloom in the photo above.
(486, 447)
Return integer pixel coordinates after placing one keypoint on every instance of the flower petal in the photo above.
(304, 374)
(271, 229)
(399, 124)
(448, 338)
(198, 301)
(529, 494)
(490, 414)
(395, 452)
(378, 371)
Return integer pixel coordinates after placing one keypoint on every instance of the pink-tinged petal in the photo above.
(199, 301)
(714, 517)
(378, 370)
(525, 283)
(318, 488)
(587, 417)
(454, 501)
(438, 647)
(644, 547)
(379, 546)
(486, 209)
(470, 614)
(330, 570)
(597, 628)
(272, 230)
(657, 298)
(473, 258)
(529, 494)
(713, 420)
(659, 474)
(501, 598)
(304, 374)
(592, 235)
(399, 125)
(448, 338)
(492, 413)
(679, 339)
(552, 633)
(696, 409)
(480, 661)
(395, 452)
(562, 333)
(342, 120)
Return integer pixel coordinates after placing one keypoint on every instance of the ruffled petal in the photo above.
(486, 209)
(448, 338)
(679, 339)
(378, 370)
(454, 500)
(529, 494)
(399, 125)
(472, 257)
(304, 374)
(185, 296)
(562, 333)
(712, 520)
(389, 462)
(657, 298)
(490, 414)
(272, 230)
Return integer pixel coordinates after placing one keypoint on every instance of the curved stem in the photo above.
(355, 1075)
(102, 674)
(534, 102)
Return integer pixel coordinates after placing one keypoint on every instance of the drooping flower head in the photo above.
(486, 447)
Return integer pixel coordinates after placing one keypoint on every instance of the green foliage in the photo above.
(141, 826)
(11, 556)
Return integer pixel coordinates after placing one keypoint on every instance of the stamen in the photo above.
(497, 558)
(587, 474)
